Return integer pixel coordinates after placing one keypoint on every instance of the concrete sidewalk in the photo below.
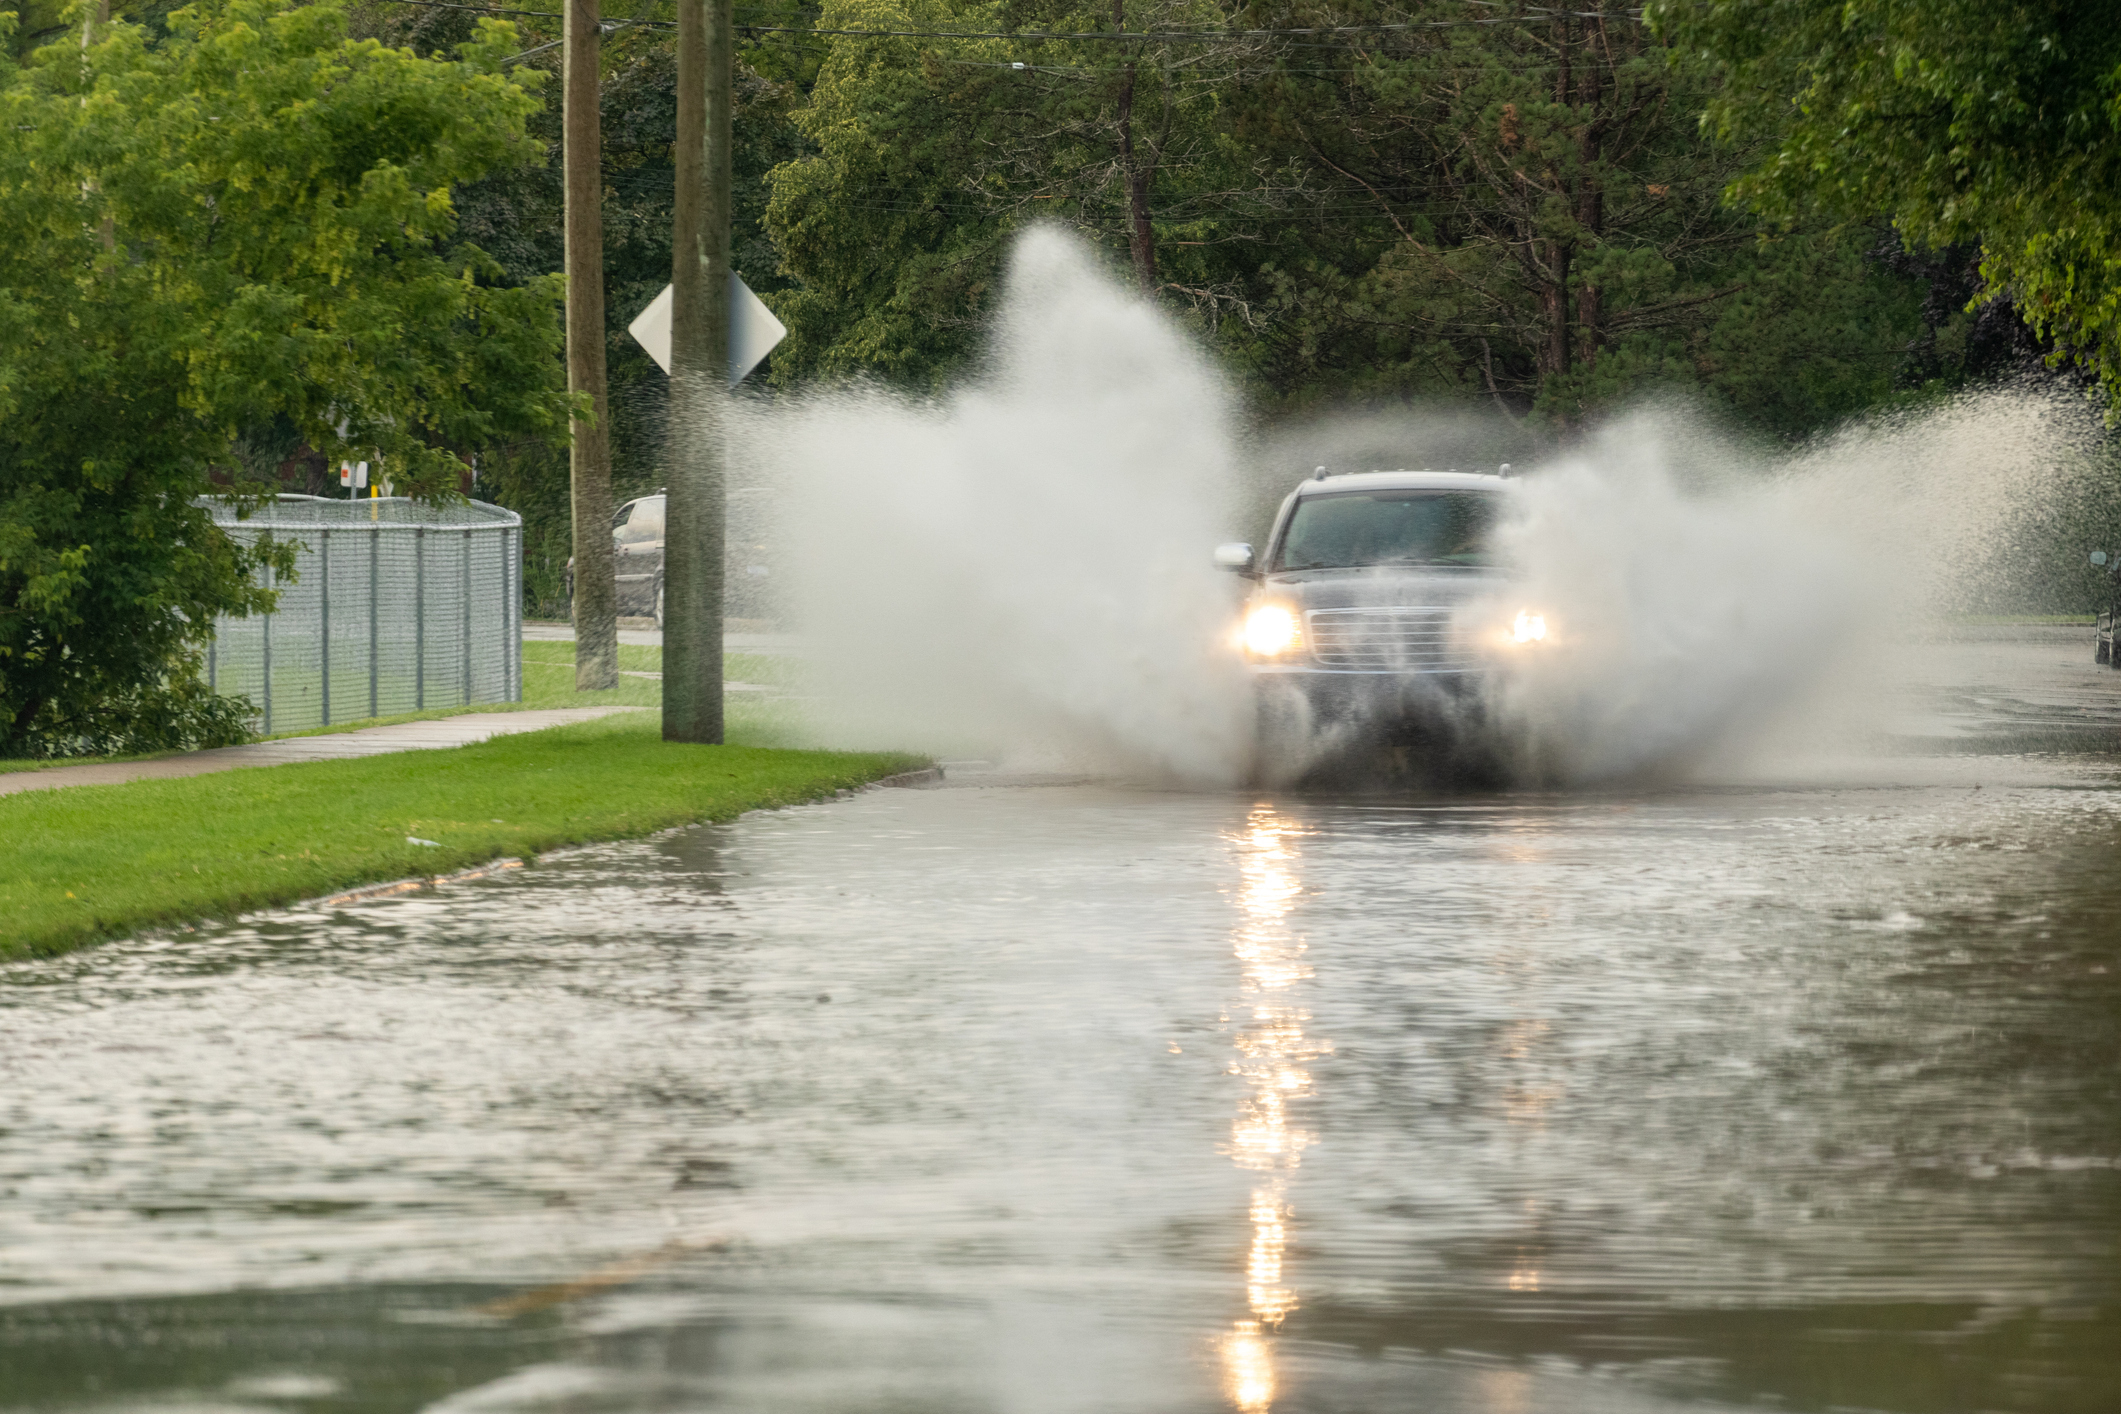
(771, 644)
(338, 746)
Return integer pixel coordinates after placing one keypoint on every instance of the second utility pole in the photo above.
(595, 608)
(699, 372)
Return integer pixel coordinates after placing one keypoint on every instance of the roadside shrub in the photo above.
(175, 715)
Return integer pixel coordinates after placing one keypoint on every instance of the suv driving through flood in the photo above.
(1376, 603)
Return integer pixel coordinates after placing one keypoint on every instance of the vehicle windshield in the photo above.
(1349, 529)
(638, 520)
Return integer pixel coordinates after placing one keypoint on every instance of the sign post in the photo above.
(595, 608)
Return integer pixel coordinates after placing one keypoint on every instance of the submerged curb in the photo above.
(922, 779)
(406, 886)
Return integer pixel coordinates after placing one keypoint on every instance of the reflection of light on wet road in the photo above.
(1525, 1275)
(1272, 1051)
(1249, 1367)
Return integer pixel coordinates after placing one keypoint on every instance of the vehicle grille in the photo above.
(1406, 640)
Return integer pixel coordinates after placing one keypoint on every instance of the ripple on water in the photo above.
(1106, 1099)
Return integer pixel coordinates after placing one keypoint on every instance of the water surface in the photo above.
(1088, 1097)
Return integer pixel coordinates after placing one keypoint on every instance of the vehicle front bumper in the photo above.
(1329, 695)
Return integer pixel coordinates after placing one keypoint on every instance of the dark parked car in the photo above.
(637, 558)
(1359, 612)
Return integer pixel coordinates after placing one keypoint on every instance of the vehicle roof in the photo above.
(1405, 481)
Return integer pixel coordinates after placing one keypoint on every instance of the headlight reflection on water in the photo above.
(1272, 1055)
(1248, 1367)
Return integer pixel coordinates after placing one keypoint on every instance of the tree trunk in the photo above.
(1554, 298)
(1141, 238)
(596, 625)
(1562, 40)
(24, 719)
(1554, 294)
(1554, 306)
(1590, 203)
(699, 372)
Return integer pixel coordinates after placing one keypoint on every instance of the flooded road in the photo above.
(1079, 1097)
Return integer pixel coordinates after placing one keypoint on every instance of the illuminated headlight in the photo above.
(1528, 627)
(1271, 630)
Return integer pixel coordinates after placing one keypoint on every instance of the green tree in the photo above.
(1990, 121)
(927, 152)
(246, 223)
(1517, 208)
(892, 271)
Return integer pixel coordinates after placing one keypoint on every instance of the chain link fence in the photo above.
(394, 607)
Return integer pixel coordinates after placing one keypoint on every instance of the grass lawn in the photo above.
(548, 675)
(92, 862)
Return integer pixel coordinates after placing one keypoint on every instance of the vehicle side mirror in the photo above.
(2098, 557)
(1235, 557)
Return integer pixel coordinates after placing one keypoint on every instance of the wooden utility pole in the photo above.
(699, 373)
(596, 621)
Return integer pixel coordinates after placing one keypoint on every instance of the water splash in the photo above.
(1676, 618)
(1709, 602)
(1018, 568)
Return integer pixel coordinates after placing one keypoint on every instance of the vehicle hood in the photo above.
(1382, 587)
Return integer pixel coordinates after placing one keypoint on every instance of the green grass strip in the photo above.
(91, 862)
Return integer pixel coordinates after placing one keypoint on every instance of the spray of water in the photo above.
(1019, 568)
(1711, 604)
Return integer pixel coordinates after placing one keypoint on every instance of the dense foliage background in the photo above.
(1511, 208)
(1989, 123)
(1788, 213)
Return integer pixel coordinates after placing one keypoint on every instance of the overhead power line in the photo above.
(489, 9)
(1166, 36)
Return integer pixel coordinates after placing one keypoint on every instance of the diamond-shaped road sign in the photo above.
(753, 331)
